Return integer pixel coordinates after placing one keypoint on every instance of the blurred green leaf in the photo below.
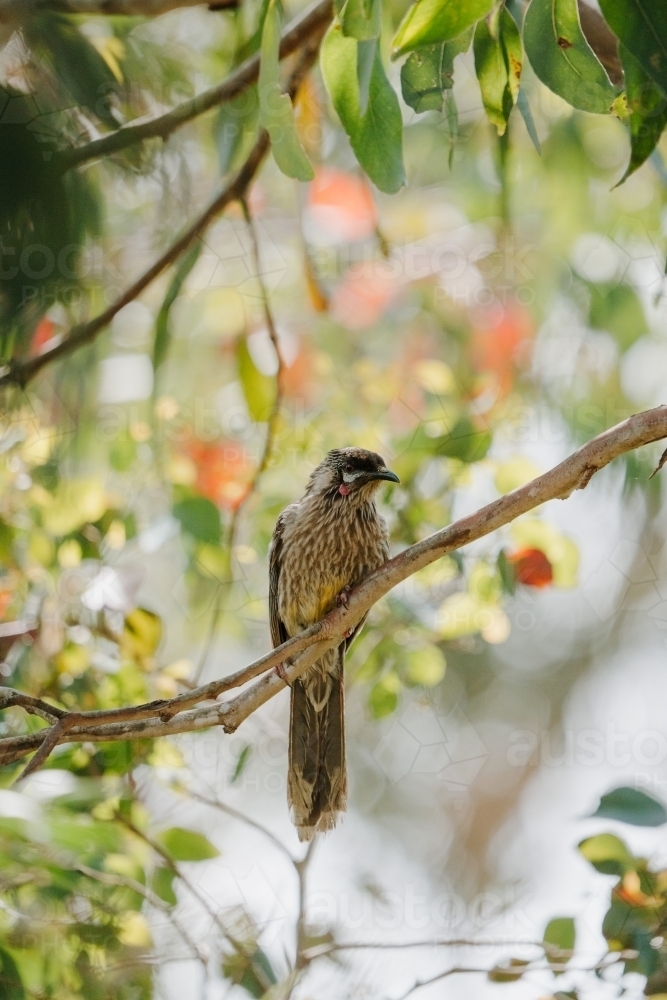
(464, 442)
(234, 123)
(648, 111)
(617, 309)
(362, 19)
(248, 966)
(629, 805)
(276, 114)
(527, 115)
(11, 985)
(506, 572)
(241, 762)
(498, 62)
(376, 136)
(76, 64)
(642, 28)
(562, 58)
(259, 389)
(429, 71)
(200, 518)
(383, 697)
(429, 21)
(162, 332)
(425, 666)
(607, 853)
(187, 845)
(560, 933)
(162, 885)
(514, 971)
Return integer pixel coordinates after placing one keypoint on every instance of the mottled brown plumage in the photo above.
(323, 545)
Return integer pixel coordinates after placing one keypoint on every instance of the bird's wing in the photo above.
(278, 630)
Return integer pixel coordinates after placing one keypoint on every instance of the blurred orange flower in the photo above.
(531, 567)
(500, 343)
(340, 207)
(224, 471)
(362, 296)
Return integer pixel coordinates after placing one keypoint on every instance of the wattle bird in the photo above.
(323, 545)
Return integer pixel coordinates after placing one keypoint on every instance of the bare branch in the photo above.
(21, 372)
(573, 473)
(308, 25)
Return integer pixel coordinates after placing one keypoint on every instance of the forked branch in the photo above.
(178, 716)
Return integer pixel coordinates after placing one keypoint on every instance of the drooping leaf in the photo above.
(259, 389)
(511, 973)
(527, 115)
(11, 985)
(629, 805)
(562, 58)
(141, 636)
(642, 28)
(607, 853)
(429, 21)
(241, 762)
(248, 966)
(376, 136)
(560, 933)
(187, 845)
(276, 113)
(498, 62)
(647, 104)
(200, 518)
(429, 71)
(234, 124)
(162, 332)
(162, 885)
(362, 19)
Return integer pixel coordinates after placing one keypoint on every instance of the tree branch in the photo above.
(18, 11)
(308, 25)
(143, 721)
(21, 372)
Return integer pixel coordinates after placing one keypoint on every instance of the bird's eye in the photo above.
(348, 468)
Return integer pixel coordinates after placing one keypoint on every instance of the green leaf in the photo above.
(498, 61)
(560, 933)
(618, 310)
(162, 885)
(514, 971)
(276, 113)
(234, 123)
(200, 518)
(249, 967)
(629, 805)
(259, 389)
(362, 19)
(429, 71)
(642, 28)
(607, 853)
(527, 115)
(464, 442)
(75, 63)
(429, 21)
(506, 572)
(162, 332)
(425, 666)
(647, 104)
(11, 986)
(241, 762)
(383, 697)
(376, 136)
(563, 59)
(187, 845)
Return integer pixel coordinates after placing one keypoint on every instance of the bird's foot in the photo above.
(343, 598)
(280, 670)
(350, 631)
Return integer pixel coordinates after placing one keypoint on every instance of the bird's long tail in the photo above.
(317, 774)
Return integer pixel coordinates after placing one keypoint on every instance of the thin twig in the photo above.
(306, 26)
(573, 473)
(269, 440)
(230, 811)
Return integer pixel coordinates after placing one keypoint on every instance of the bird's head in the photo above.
(351, 472)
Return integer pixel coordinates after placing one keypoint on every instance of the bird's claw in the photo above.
(350, 631)
(343, 598)
(280, 670)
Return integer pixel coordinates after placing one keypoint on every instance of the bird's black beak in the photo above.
(387, 474)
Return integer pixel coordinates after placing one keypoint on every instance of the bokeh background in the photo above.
(475, 328)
